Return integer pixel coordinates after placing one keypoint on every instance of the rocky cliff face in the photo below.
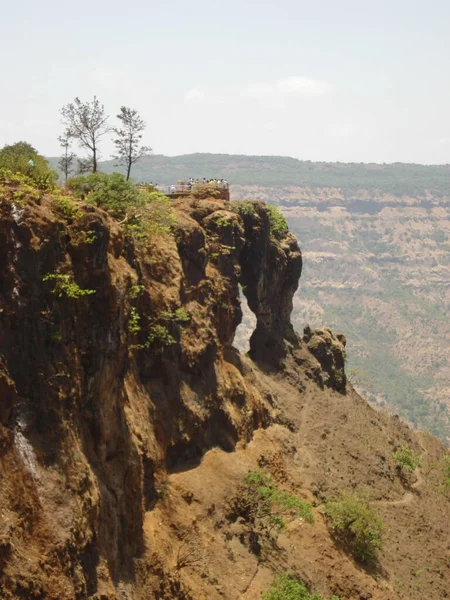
(118, 377)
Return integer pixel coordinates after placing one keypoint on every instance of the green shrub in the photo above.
(66, 207)
(269, 505)
(181, 315)
(277, 222)
(133, 321)
(406, 459)
(135, 291)
(356, 524)
(142, 212)
(16, 158)
(287, 587)
(17, 188)
(245, 207)
(65, 287)
(222, 222)
(159, 335)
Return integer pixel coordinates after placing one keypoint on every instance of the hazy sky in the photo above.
(334, 80)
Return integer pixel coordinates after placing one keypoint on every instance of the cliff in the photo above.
(128, 420)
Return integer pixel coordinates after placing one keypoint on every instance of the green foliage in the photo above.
(245, 207)
(277, 222)
(181, 315)
(222, 222)
(17, 188)
(64, 287)
(356, 524)
(406, 459)
(143, 213)
(66, 207)
(135, 291)
(133, 321)
(23, 158)
(110, 192)
(269, 505)
(159, 335)
(287, 587)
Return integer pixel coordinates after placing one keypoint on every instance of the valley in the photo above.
(377, 267)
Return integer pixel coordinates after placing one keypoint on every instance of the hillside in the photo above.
(377, 267)
(397, 178)
(133, 434)
(350, 218)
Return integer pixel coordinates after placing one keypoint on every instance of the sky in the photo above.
(348, 81)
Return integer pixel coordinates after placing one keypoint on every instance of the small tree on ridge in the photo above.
(86, 123)
(128, 140)
(66, 161)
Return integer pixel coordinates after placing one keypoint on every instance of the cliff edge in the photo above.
(128, 421)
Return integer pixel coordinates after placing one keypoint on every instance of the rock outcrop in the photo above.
(128, 419)
(329, 350)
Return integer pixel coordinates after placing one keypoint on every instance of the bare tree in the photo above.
(66, 161)
(128, 140)
(86, 123)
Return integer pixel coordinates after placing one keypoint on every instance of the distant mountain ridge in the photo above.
(396, 178)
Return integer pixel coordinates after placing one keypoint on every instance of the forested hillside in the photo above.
(378, 269)
(395, 178)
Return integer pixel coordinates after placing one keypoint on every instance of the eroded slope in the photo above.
(128, 420)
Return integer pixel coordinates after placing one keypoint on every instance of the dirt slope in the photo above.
(128, 420)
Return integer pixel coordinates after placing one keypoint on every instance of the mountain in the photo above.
(143, 456)
(376, 264)
(397, 178)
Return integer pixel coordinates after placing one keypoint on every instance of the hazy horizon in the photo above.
(328, 82)
(156, 154)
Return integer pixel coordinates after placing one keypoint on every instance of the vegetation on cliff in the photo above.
(143, 456)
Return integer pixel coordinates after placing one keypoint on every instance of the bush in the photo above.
(245, 207)
(16, 158)
(406, 459)
(287, 587)
(17, 188)
(277, 222)
(142, 212)
(269, 505)
(159, 335)
(65, 207)
(134, 326)
(356, 524)
(65, 287)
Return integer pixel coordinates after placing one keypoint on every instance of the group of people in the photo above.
(182, 186)
(220, 183)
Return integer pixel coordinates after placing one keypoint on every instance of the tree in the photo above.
(21, 157)
(86, 123)
(66, 161)
(129, 137)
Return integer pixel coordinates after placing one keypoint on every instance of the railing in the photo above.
(186, 188)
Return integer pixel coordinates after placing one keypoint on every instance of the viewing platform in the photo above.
(181, 189)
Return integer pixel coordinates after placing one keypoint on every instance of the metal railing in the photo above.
(186, 188)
